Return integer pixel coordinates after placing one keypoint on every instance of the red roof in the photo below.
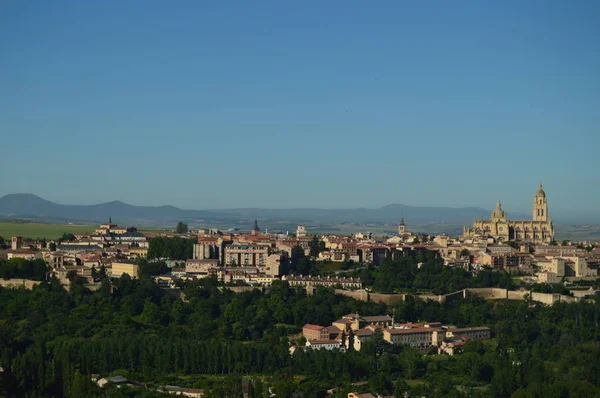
(312, 327)
(319, 342)
(410, 331)
(207, 240)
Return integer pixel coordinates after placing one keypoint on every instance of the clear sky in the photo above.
(280, 104)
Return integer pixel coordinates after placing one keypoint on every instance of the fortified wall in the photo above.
(17, 283)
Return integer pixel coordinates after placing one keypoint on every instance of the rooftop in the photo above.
(312, 327)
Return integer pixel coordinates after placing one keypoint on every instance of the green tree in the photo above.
(151, 313)
(181, 228)
(172, 248)
(52, 246)
(316, 246)
(512, 244)
(67, 237)
(83, 386)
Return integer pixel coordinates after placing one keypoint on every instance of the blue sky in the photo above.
(301, 104)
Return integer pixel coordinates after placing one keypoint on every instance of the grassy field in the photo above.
(54, 231)
(35, 230)
(38, 230)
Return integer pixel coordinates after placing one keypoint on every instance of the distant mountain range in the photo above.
(32, 207)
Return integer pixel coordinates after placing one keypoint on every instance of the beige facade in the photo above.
(414, 337)
(16, 243)
(301, 231)
(555, 266)
(274, 265)
(315, 332)
(56, 260)
(345, 283)
(475, 333)
(118, 269)
(26, 254)
(208, 248)
(246, 255)
(580, 266)
(548, 277)
(200, 267)
(539, 230)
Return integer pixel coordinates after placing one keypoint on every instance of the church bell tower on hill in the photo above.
(540, 205)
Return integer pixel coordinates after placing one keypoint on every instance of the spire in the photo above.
(110, 220)
(255, 230)
(498, 212)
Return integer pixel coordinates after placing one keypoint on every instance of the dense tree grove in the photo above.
(316, 246)
(151, 268)
(181, 228)
(22, 268)
(67, 237)
(172, 248)
(52, 341)
(405, 274)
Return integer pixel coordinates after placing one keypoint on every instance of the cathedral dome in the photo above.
(540, 192)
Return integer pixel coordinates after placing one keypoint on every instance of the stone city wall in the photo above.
(17, 283)
(361, 294)
(492, 293)
(388, 299)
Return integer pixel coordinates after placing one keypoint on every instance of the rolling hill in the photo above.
(29, 206)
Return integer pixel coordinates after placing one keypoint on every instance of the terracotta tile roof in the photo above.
(473, 329)
(312, 327)
(364, 332)
(314, 342)
(377, 318)
(346, 321)
(410, 331)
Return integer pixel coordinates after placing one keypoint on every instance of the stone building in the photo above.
(301, 231)
(120, 268)
(16, 242)
(246, 255)
(539, 230)
(209, 248)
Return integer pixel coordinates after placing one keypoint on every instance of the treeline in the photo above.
(24, 269)
(51, 341)
(171, 248)
(405, 274)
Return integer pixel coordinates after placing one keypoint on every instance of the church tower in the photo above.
(540, 205)
(498, 214)
(401, 227)
(255, 230)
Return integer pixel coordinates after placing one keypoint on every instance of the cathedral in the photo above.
(538, 230)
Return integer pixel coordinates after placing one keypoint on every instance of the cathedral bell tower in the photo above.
(498, 214)
(540, 205)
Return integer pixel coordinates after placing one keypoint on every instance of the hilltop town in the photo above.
(387, 278)
(527, 249)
